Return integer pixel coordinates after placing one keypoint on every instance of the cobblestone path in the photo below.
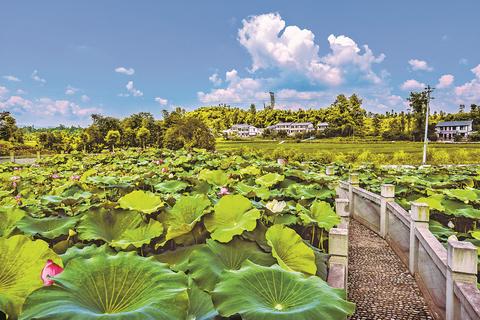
(378, 282)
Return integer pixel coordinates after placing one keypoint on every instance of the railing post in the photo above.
(387, 192)
(338, 250)
(462, 267)
(330, 170)
(38, 155)
(12, 156)
(343, 211)
(420, 214)
(353, 182)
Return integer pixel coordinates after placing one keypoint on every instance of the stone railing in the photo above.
(338, 244)
(446, 276)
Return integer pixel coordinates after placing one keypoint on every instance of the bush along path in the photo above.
(378, 282)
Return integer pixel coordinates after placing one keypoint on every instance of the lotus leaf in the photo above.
(291, 252)
(232, 215)
(21, 261)
(214, 177)
(271, 293)
(139, 200)
(121, 286)
(48, 227)
(8, 218)
(171, 186)
(269, 180)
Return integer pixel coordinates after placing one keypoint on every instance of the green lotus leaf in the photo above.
(139, 236)
(271, 293)
(186, 212)
(8, 219)
(200, 303)
(232, 215)
(291, 252)
(464, 195)
(21, 264)
(208, 263)
(299, 191)
(320, 214)
(214, 177)
(476, 234)
(178, 259)
(171, 186)
(440, 231)
(48, 227)
(433, 201)
(107, 225)
(84, 252)
(121, 286)
(250, 170)
(139, 200)
(460, 209)
(253, 191)
(270, 179)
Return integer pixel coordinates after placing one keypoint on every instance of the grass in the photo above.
(388, 149)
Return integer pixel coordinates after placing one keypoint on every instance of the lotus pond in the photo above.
(161, 235)
(452, 192)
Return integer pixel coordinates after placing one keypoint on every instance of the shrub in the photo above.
(400, 157)
(439, 156)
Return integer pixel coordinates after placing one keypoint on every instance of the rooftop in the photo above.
(454, 123)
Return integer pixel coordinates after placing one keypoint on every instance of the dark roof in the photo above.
(454, 123)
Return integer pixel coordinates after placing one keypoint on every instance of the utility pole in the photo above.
(428, 91)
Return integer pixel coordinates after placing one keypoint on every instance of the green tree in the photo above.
(143, 134)
(112, 138)
(188, 133)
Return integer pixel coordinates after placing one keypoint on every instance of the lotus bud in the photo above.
(51, 269)
(71, 233)
(451, 225)
(170, 176)
(164, 170)
(281, 161)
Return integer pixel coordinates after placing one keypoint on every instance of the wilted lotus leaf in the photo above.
(21, 264)
(207, 264)
(121, 286)
(272, 293)
(139, 200)
(290, 251)
(232, 215)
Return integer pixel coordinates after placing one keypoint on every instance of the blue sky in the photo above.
(62, 60)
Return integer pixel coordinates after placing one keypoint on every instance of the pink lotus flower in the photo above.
(51, 269)
(158, 162)
(164, 170)
(223, 191)
(17, 169)
(75, 177)
(55, 176)
(18, 199)
(14, 180)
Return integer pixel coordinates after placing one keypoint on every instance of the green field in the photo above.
(334, 147)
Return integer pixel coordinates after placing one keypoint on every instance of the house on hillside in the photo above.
(293, 127)
(243, 130)
(447, 130)
(321, 126)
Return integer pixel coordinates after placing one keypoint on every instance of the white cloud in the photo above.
(289, 49)
(123, 70)
(11, 78)
(36, 77)
(412, 85)
(445, 81)
(85, 98)
(46, 107)
(470, 91)
(215, 79)
(239, 90)
(476, 71)
(71, 90)
(463, 61)
(421, 65)
(20, 91)
(133, 91)
(161, 101)
(3, 91)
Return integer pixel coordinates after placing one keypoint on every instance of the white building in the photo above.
(449, 129)
(322, 126)
(243, 130)
(293, 127)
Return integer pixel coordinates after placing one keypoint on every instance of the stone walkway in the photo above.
(378, 282)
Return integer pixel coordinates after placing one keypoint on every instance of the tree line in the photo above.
(346, 117)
